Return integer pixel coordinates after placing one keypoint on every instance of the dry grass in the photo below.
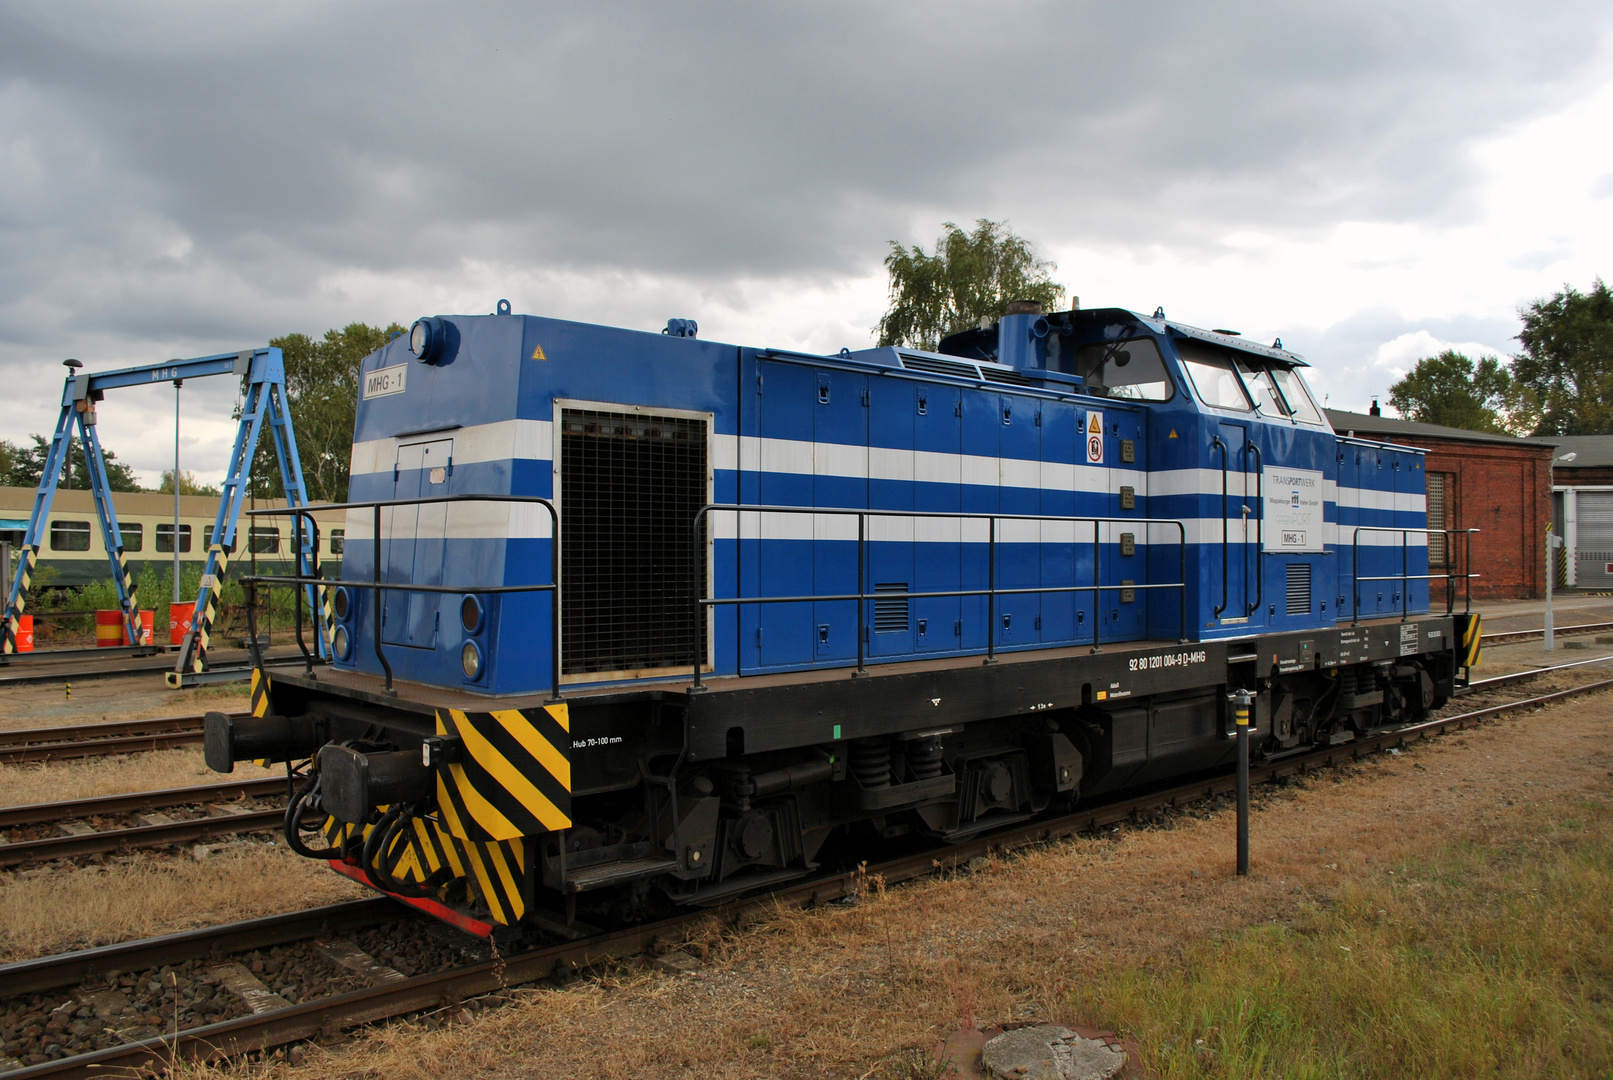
(132, 698)
(1153, 922)
(88, 778)
(62, 906)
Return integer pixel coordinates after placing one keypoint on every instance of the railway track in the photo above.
(91, 740)
(396, 996)
(81, 827)
(119, 823)
(1503, 637)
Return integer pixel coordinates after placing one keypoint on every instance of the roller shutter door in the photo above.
(1594, 562)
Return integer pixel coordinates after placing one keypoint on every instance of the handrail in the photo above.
(1260, 532)
(1405, 576)
(1216, 443)
(862, 596)
(377, 586)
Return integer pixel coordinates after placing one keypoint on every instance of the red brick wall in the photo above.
(1505, 491)
(1599, 477)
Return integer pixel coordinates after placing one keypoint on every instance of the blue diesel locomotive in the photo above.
(630, 618)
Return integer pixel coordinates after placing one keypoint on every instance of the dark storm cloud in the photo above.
(190, 174)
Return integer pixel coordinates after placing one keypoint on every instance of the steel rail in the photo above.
(69, 969)
(198, 830)
(1499, 637)
(73, 733)
(84, 674)
(1533, 673)
(329, 1016)
(135, 802)
(93, 740)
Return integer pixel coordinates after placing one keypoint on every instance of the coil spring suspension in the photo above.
(924, 758)
(870, 761)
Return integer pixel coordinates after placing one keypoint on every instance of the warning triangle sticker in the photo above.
(537, 353)
(1173, 433)
(1095, 425)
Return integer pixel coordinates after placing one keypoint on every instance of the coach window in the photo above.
(265, 540)
(1213, 376)
(207, 537)
(134, 535)
(165, 538)
(338, 540)
(1130, 369)
(70, 536)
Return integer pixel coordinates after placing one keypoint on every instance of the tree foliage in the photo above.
(1567, 360)
(23, 466)
(322, 378)
(1451, 389)
(971, 275)
(188, 484)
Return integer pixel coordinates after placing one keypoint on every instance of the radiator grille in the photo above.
(890, 612)
(630, 486)
(1299, 588)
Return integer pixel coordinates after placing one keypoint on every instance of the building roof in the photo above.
(1395, 429)
(1590, 451)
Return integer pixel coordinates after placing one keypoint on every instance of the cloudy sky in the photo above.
(1370, 181)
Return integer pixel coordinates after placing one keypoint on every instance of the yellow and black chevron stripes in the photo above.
(128, 581)
(1469, 630)
(327, 615)
(514, 776)
(260, 704)
(203, 627)
(336, 831)
(498, 868)
(25, 567)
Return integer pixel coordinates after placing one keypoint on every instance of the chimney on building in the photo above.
(1374, 411)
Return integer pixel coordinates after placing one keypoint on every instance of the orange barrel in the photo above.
(25, 633)
(146, 620)
(108, 629)
(179, 616)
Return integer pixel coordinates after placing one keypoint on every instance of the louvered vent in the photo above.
(890, 612)
(630, 485)
(1299, 588)
(940, 367)
(1003, 375)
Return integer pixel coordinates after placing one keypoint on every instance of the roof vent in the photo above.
(934, 366)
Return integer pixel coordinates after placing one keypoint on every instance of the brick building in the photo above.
(1494, 483)
(1582, 506)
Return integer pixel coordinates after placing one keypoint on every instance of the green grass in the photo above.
(1487, 958)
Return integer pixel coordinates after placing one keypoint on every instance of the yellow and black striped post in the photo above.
(218, 560)
(1469, 635)
(25, 574)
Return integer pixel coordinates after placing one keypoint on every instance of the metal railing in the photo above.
(376, 586)
(1404, 577)
(991, 592)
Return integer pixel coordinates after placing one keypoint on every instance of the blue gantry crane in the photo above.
(263, 374)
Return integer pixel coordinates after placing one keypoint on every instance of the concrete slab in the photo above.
(246, 986)
(346, 954)
(1051, 1052)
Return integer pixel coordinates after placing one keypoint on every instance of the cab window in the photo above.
(1131, 368)
(1268, 401)
(1213, 376)
(1296, 395)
